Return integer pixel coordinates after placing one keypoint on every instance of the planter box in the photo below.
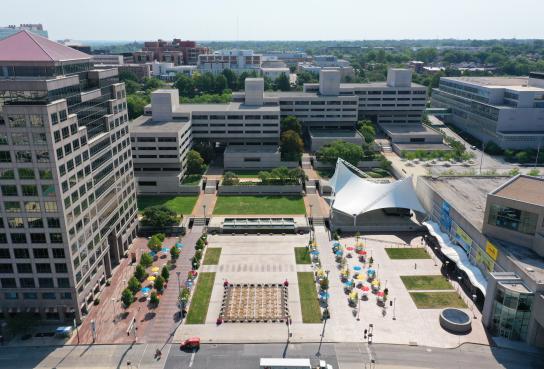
(361, 165)
(172, 231)
(260, 190)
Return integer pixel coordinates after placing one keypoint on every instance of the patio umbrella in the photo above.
(155, 269)
(324, 295)
(380, 294)
(361, 277)
(339, 253)
(364, 288)
(350, 248)
(145, 290)
(357, 268)
(152, 253)
(151, 278)
(376, 282)
(336, 244)
(353, 295)
(165, 249)
(348, 284)
(179, 245)
(314, 252)
(361, 252)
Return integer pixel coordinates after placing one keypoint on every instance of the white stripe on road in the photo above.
(192, 359)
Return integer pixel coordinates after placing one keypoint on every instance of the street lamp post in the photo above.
(114, 310)
(482, 156)
(447, 269)
(179, 295)
(474, 306)
(394, 304)
(459, 283)
(204, 208)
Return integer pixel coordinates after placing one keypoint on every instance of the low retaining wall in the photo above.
(144, 231)
(260, 190)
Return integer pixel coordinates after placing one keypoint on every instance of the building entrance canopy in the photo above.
(354, 195)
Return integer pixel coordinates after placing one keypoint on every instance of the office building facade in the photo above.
(506, 110)
(68, 209)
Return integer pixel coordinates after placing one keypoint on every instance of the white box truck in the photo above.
(273, 363)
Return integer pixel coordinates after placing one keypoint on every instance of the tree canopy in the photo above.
(291, 146)
(330, 153)
(159, 216)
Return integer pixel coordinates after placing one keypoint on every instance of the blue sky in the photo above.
(280, 19)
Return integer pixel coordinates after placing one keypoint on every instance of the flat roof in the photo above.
(407, 128)
(381, 84)
(335, 133)
(523, 188)
(524, 258)
(467, 195)
(230, 107)
(422, 146)
(145, 124)
(510, 83)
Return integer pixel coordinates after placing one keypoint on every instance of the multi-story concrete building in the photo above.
(327, 61)
(496, 246)
(252, 123)
(161, 140)
(68, 204)
(176, 51)
(13, 29)
(506, 110)
(236, 60)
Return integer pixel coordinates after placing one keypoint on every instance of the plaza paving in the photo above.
(270, 259)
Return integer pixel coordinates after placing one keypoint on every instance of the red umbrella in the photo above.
(380, 294)
(361, 252)
(365, 288)
(349, 248)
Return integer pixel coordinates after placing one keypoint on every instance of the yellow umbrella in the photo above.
(353, 295)
(361, 277)
(155, 269)
(150, 278)
(375, 282)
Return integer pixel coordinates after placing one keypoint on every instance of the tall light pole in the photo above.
(114, 310)
(482, 156)
(204, 207)
(179, 295)
(459, 284)
(474, 306)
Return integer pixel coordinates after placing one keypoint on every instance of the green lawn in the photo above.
(311, 313)
(247, 173)
(212, 256)
(425, 282)
(407, 253)
(179, 204)
(437, 300)
(302, 256)
(201, 299)
(259, 205)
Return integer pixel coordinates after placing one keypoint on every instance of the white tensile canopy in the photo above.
(354, 195)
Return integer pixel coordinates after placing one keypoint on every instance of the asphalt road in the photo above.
(246, 356)
(354, 356)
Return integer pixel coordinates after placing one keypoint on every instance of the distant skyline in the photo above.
(232, 20)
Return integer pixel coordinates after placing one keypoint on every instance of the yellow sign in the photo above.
(491, 250)
(485, 260)
(463, 238)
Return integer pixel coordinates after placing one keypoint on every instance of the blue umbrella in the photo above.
(339, 253)
(146, 289)
(188, 283)
(152, 253)
(315, 252)
(324, 295)
(336, 244)
(348, 283)
(357, 267)
(165, 249)
(179, 245)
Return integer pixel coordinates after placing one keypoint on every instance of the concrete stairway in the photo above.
(201, 222)
(306, 161)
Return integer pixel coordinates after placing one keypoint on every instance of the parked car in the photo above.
(190, 343)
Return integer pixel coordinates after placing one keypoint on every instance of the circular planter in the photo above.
(455, 320)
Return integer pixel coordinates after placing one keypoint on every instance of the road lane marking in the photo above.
(192, 359)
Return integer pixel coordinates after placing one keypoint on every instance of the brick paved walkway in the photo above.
(162, 327)
(152, 325)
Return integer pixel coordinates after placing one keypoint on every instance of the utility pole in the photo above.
(482, 156)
